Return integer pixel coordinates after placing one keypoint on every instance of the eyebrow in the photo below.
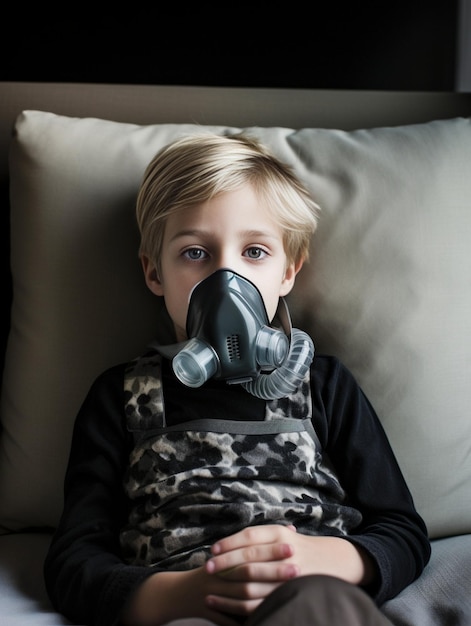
(192, 232)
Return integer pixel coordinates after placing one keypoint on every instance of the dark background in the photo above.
(329, 45)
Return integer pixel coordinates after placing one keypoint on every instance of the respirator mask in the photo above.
(231, 339)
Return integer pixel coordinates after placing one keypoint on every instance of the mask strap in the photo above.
(282, 314)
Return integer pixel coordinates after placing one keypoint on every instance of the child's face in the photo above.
(234, 231)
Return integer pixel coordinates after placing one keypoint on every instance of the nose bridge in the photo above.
(226, 258)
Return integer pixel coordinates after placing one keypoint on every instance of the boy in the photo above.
(214, 489)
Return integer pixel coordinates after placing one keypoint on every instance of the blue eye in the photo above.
(255, 252)
(195, 254)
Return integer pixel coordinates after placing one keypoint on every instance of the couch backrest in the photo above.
(151, 104)
(387, 288)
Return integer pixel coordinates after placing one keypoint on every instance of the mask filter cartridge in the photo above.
(231, 339)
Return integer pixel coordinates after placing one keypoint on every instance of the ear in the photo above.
(290, 276)
(151, 275)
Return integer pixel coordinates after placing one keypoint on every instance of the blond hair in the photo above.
(195, 168)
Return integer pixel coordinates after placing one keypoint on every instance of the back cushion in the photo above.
(387, 289)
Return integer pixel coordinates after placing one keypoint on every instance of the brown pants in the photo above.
(311, 601)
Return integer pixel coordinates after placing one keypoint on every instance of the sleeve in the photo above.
(392, 531)
(85, 577)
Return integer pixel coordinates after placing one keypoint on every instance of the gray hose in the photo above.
(288, 377)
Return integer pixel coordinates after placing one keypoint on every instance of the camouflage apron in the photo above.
(195, 482)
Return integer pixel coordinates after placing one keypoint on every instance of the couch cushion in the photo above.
(23, 597)
(441, 596)
(387, 290)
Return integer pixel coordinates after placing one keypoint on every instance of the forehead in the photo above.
(240, 208)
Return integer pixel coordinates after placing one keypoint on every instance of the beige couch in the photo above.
(388, 288)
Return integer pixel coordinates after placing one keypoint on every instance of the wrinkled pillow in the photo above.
(387, 289)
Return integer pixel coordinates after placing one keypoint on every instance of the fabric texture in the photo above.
(442, 594)
(387, 290)
(168, 528)
(317, 601)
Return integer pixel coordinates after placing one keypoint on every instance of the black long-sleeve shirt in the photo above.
(85, 574)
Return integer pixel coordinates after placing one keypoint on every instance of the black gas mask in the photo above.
(231, 339)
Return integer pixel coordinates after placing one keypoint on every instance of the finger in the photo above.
(260, 572)
(250, 554)
(230, 606)
(253, 535)
(240, 599)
